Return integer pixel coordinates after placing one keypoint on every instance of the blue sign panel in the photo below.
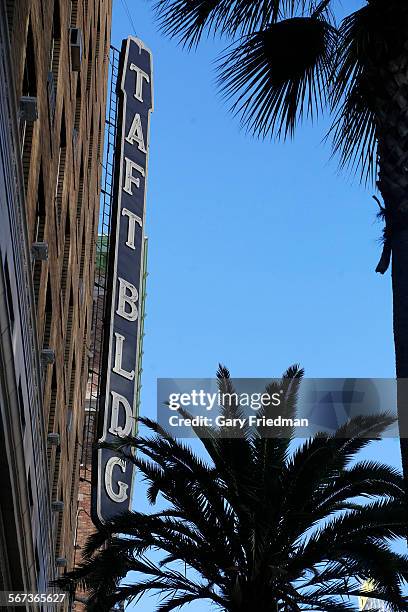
(113, 475)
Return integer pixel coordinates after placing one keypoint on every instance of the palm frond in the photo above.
(188, 20)
(362, 49)
(276, 76)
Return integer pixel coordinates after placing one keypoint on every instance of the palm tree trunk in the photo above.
(388, 86)
(392, 130)
(400, 320)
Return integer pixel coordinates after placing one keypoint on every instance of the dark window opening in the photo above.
(58, 537)
(106, 49)
(56, 474)
(39, 227)
(62, 157)
(37, 280)
(52, 413)
(9, 294)
(68, 329)
(65, 260)
(91, 143)
(100, 133)
(98, 37)
(84, 361)
(77, 115)
(30, 490)
(74, 13)
(89, 71)
(47, 317)
(53, 403)
(55, 53)
(82, 260)
(71, 395)
(10, 4)
(29, 75)
(29, 88)
(39, 233)
(21, 407)
(85, 10)
(80, 195)
(27, 140)
(78, 105)
(37, 561)
(75, 470)
(55, 42)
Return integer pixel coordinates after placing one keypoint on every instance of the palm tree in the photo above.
(288, 59)
(260, 524)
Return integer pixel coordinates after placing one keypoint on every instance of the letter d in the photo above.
(114, 428)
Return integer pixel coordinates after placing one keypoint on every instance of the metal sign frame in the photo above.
(112, 475)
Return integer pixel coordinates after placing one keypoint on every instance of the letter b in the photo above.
(128, 296)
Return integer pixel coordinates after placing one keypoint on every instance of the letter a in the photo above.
(136, 134)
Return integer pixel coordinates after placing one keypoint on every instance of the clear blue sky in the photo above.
(260, 254)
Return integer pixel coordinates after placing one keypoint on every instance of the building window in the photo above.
(85, 8)
(83, 252)
(29, 74)
(74, 13)
(9, 294)
(37, 561)
(47, 317)
(58, 535)
(21, 407)
(78, 105)
(106, 50)
(84, 361)
(80, 195)
(65, 260)
(39, 223)
(53, 403)
(98, 38)
(10, 4)
(52, 413)
(75, 471)
(62, 157)
(91, 143)
(37, 279)
(92, 250)
(29, 88)
(55, 53)
(100, 132)
(68, 329)
(56, 474)
(89, 71)
(30, 490)
(71, 396)
(39, 233)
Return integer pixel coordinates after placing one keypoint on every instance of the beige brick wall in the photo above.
(62, 157)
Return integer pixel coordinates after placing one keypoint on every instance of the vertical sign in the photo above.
(112, 475)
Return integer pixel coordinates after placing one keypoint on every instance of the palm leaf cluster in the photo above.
(260, 523)
(287, 59)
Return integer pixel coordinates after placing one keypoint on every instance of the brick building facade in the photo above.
(53, 69)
